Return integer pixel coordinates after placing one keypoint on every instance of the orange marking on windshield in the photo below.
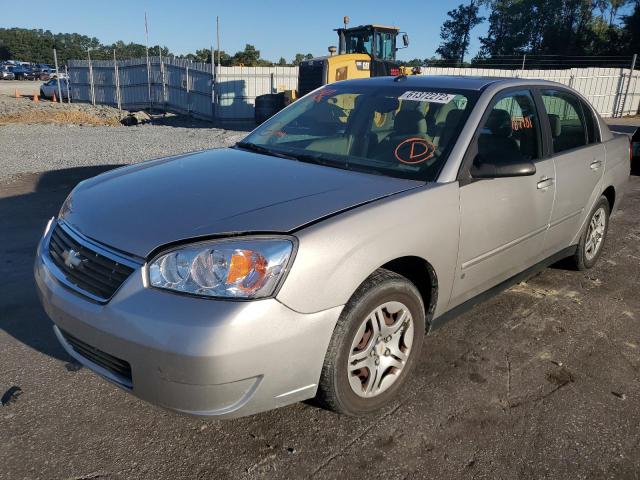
(414, 150)
(324, 93)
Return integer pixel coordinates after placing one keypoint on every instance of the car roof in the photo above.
(447, 81)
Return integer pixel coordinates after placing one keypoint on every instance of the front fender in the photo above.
(336, 255)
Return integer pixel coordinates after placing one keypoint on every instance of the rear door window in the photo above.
(569, 128)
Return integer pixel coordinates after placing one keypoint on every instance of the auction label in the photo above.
(433, 97)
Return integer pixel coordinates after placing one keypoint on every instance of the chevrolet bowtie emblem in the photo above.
(72, 258)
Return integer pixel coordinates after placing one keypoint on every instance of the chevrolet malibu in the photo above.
(310, 259)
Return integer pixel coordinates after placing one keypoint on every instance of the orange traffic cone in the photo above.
(18, 93)
(35, 98)
(54, 99)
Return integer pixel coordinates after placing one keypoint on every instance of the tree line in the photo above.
(559, 28)
(562, 29)
(37, 46)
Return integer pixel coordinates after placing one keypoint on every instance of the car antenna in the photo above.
(402, 76)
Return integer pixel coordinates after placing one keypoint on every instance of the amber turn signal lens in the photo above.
(243, 263)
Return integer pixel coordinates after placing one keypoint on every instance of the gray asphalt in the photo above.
(542, 381)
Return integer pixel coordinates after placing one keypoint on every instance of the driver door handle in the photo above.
(545, 183)
(596, 164)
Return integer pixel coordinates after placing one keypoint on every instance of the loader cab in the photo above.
(377, 41)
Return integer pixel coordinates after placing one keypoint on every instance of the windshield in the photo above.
(359, 41)
(395, 131)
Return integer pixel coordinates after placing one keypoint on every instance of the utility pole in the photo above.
(215, 71)
(55, 59)
(146, 33)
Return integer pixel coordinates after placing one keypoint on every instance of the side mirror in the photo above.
(502, 169)
(405, 39)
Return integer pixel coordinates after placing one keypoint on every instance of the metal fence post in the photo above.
(188, 91)
(162, 79)
(626, 93)
(92, 87)
(117, 82)
(66, 72)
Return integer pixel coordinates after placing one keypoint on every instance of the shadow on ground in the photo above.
(26, 205)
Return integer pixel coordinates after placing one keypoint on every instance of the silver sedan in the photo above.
(310, 259)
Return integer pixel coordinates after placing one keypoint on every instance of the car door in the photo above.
(579, 158)
(503, 220)
(49, 87)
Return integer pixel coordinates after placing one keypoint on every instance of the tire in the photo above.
(355, 334)
(267, 105)
(587, 254)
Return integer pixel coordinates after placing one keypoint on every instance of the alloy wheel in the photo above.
(595, 233)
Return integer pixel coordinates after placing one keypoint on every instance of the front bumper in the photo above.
(193, 355)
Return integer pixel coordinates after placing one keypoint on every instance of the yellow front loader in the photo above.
(363, 52)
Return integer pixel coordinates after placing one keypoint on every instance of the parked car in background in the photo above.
(6, 74)
(42, 72)
(310, 259)
(48, 89)
(23, 73)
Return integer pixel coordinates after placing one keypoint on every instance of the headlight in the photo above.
(233, 268)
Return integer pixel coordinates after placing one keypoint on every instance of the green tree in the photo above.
(456, 31)
(554, 27)
(248, 57)
(416, 62)
(301, 57)
(282, 62)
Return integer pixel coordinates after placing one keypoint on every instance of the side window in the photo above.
(566, 119)
(511, 131)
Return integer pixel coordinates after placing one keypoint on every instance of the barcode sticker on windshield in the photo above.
(433, 97)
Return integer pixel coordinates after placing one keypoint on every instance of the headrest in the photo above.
(555, 124)
(499, 123)
(409, 122)
(453, 118)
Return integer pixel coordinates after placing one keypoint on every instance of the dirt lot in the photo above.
(25, 87)
(541, 382)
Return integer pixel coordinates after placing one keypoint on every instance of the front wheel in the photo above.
(593, 237)
(374, 346)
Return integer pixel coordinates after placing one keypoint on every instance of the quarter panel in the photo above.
(335, 256)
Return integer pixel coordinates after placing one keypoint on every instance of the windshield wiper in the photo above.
(264, 150)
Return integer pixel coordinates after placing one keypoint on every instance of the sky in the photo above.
(277, 28)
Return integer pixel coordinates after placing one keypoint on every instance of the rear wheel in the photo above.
(593, 237)
(374, 345)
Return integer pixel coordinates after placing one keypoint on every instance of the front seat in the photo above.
(496, 142)
(407, 124)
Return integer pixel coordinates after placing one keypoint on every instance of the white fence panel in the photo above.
(612, 91)
(605, 88)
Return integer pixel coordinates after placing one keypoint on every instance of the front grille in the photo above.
(116, 366)
(88, 270)
(310, 76)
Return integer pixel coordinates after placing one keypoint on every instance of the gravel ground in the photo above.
(37, 148)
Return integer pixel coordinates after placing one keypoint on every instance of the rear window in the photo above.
(396, 131)
(566, 119)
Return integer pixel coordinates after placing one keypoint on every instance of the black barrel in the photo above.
(268, 105)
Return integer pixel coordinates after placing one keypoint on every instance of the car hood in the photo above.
(139, 208)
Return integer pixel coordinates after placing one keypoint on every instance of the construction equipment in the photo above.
(364, 51)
